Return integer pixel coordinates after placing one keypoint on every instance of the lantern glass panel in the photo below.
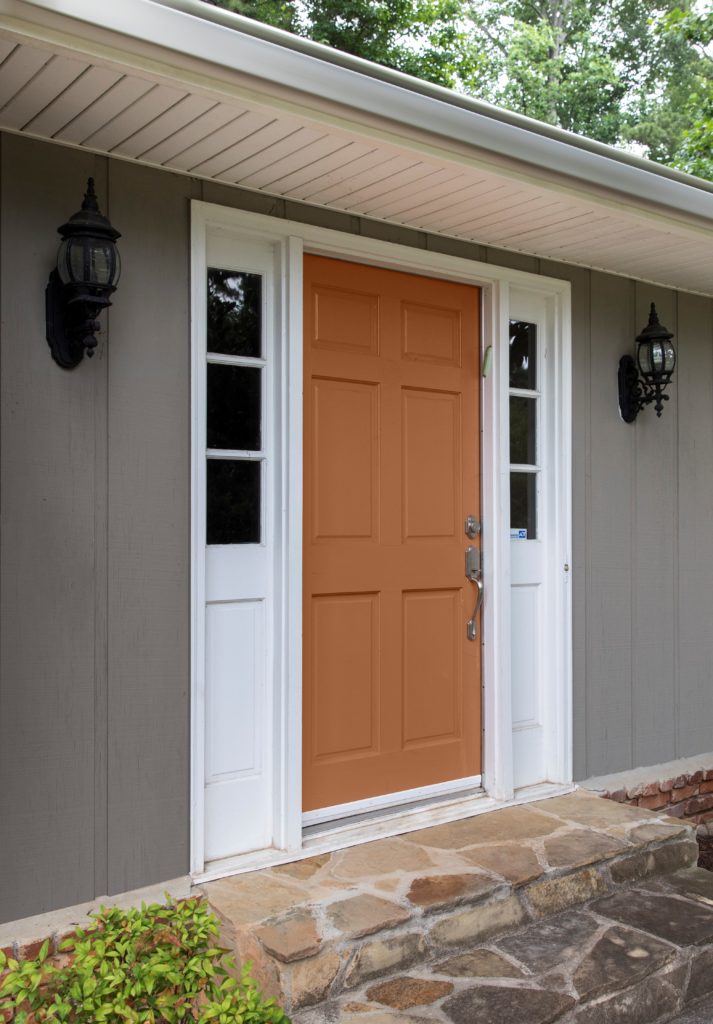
(89, 261)
(669, 357)
(644, 357)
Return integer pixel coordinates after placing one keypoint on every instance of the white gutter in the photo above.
(219, 37)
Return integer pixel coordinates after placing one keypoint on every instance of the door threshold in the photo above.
(385, 826)
(358, 810)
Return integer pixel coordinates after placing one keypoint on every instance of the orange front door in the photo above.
(391, 470)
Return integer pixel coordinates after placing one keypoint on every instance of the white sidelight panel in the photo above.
(236, 389)
(537, 631)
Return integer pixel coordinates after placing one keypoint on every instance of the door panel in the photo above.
(391, 683)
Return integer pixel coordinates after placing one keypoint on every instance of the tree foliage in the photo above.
(637, 73)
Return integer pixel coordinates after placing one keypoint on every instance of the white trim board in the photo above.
(291, 240)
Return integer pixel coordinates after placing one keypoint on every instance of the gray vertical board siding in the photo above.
(694, 371)
(654, 561)
(611, 532)
(149, 531)
(95, 539)
(48, 548)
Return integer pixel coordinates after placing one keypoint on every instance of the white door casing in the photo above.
(246, 795)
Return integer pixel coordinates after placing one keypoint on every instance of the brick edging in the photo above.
(687, 796)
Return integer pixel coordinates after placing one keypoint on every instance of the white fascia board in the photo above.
(191, 32)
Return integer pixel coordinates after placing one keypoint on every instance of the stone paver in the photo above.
(694, 884)
(311, 980)
(620, 958)
(702, 1013)
(245, 899)
(405, 992)
(303, 869)
(477, 924)
(364, 914)
(515, 862)
(542, 946)
(586, 809)
(292, 937)
(381, 955)
(655, 832)
(495, 826)
(679, 921)
(556, 894)
(481, 963)
(579, 848)
(384, 857)
(438, 891)
(506, 1006)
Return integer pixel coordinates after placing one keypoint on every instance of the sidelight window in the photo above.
(524, 430)
(235, 385)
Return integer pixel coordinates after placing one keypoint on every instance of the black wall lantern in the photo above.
(645, 380)
(87, 272)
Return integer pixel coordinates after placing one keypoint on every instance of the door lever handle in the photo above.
(473, 573)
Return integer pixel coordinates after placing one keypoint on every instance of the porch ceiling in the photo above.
(67, 81)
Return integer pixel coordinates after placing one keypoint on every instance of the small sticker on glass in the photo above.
(518, 534)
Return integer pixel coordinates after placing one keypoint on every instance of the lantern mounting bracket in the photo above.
(71, 323)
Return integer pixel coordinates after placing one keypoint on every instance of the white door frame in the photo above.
(291, 241)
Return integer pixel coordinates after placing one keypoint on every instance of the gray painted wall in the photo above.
(94, 541)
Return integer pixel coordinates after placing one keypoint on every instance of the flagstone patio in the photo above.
(536, 913)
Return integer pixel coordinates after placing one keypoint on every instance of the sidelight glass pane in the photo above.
(523, 355)
(234, 407)
(233, 502)
(234, 313)
(523, 430)
(523, 505)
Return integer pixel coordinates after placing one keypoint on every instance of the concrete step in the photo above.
(640, 955)
(323, 932)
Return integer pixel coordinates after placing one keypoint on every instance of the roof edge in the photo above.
(259, 30)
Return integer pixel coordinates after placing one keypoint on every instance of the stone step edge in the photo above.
(335, 966)
(656, 998)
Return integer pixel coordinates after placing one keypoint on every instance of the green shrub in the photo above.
(149, 966)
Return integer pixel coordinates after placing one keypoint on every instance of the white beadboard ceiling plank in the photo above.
(544, 235)
(208, 155)
(432, 215)
(411, 203)
(600, 227)
(84, 91)
(359, 162)
(341, 194)
(361, 197)
(444, 198)
(17, 70)
(191, 134)
(150, 106)
(537, 213)
(272, 176)
(394, 198)
(618, 242)
(488, 209)
(288, 184)
(183, 112)
(52, 80)
(117, 98)
(269, 157)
